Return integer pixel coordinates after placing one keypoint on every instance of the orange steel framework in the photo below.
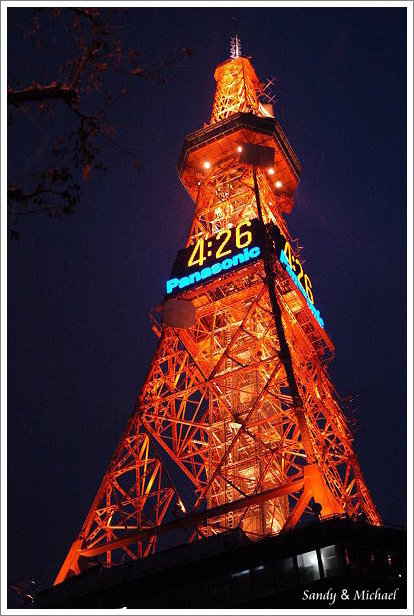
(237, 423)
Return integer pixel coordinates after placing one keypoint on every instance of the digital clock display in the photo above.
(231, 249)
(227, 250)
(292, 260)
(295, 270)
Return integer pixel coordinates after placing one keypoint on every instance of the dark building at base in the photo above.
(330, 564)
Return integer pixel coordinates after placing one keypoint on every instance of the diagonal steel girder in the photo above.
(193, 519)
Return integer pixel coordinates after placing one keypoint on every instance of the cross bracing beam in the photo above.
(194, 519)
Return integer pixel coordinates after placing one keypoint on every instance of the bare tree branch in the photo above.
(37, 93)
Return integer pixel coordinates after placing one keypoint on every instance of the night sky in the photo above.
(80, 289)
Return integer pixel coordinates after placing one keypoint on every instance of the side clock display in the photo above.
(294, 268)
(297, 268)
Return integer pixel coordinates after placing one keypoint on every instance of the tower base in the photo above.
(329, 564)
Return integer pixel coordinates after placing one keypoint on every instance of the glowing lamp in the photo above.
(270, 171)
(278, 184)
(239, 149)
(207, 165)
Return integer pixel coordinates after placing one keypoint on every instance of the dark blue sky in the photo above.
(80, 289)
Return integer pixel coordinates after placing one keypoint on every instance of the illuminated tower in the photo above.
(237, 423)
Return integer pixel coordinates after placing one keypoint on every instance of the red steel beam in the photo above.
(193, 519)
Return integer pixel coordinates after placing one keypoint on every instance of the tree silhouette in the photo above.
(94, 68)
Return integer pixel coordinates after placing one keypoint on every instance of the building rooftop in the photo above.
(230, 570)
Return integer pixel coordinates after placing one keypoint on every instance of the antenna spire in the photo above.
(235, 44)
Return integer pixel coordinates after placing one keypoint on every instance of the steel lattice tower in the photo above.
(238, 423)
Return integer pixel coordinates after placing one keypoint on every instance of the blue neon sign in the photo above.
(248, 254)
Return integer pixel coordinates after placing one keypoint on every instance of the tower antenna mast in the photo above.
(235, 44)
